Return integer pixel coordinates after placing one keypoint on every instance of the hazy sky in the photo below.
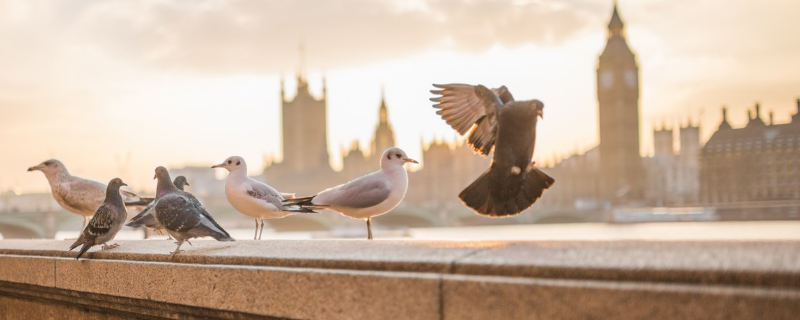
(115, 88)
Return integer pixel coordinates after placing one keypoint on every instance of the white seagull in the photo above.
(254, 198)
(78, 195)
(368, 196)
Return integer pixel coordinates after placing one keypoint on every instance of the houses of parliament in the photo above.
(306, 169)
(611, 174)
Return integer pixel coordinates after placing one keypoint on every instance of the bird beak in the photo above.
(185, 183)
(540, 113)
(124, 184)
(411, 160)
(218, 165)
(155, 176)
(34, 168)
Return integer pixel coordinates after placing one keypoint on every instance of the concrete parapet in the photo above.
(357, 279)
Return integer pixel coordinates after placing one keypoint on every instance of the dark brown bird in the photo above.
(106, 221)
(492, 119)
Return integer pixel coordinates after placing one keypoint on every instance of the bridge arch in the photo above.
(20, 231)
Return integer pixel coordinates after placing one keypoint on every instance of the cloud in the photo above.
(257, 36)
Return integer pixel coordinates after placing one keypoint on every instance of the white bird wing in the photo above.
(83, 195)
(364, 192)
(264, 192)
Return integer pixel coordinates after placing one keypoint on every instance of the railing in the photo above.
(358, 279)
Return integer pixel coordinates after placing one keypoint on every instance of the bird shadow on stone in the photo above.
(200, 251)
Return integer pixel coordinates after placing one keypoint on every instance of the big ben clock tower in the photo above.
(622, 174)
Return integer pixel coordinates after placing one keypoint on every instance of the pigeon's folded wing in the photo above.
(177, 214)
(465, 106)
(100, 223)
(205, 218)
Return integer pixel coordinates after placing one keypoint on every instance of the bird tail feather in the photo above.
(502, 194)
(81, 240)
(300, 201)
(83, 250)
(300, 209)
(305, 204)
(144, 218)
(213, 230)
(86, 246)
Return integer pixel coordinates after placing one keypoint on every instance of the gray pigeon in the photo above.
(106, 222)
(78, 195)
(146, 217)
(182, 215)
(493, 119)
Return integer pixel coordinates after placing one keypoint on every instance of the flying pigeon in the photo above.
(146, 217)
(182, 215)
(367, 196)
(254, 198)
(78, 195)
(105, 223)
(494, 120)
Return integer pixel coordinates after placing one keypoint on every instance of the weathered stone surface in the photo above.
(274, 291)
(771, 263)
(391, 255)
(22, 309)
(359, 279)
(32, 270)
(487, 297)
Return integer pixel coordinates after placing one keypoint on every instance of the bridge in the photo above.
(30, 225)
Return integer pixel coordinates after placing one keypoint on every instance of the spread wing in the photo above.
(266, 193)
(465, 107)
(365, 192)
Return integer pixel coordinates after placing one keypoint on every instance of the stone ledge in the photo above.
(357, 279)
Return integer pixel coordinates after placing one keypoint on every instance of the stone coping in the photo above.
(405, 279)
(757, 263)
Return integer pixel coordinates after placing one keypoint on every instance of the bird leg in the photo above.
(369, 229)
(177, 250)
(187, 241)
(262, 229)
(85, 220)
(255, 236)
(107, 247)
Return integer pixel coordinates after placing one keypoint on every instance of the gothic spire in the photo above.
(724, 124)
(383, 112)
(615, 25)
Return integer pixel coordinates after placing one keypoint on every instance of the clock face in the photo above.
(630, 78)
(606, 79)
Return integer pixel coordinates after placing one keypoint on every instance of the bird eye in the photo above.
(238, 163)
(397, 155)
(47, 163)
(229, 162)
(389, 156)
